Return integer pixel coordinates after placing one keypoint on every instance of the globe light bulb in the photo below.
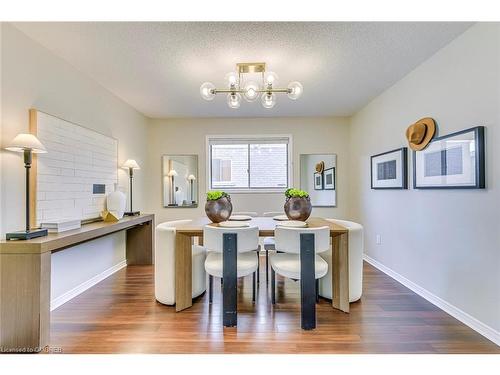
(296, 90)
(268, 100)
(207, 91)
(271, 78)
(251, 91)
(234, 100)
(231, 78)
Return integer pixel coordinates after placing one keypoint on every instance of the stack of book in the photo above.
(57, 226)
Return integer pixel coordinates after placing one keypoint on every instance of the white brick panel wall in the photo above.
(76, 159)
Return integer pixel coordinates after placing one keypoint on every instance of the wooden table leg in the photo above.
(340, 272)
(183, 272)
(140, 244)
(24, 302)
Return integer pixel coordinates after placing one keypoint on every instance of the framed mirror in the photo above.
(318, 176)
(180, 180)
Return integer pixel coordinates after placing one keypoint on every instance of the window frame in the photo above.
(266, 138)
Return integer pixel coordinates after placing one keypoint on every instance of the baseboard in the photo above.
(481, 328)
(62, 299)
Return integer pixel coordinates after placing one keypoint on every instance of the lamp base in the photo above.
(132, 213)
(23, 235)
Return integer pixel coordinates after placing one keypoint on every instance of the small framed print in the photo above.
(329, 179)
(318, 181)
(389, 170)
(453, 161)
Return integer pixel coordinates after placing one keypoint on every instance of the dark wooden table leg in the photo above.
(340, 272)
(307, 281)
(229, 275)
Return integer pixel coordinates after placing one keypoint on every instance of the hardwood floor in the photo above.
(120, 315)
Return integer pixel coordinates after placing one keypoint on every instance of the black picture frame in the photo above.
(403, 170)
(317, 176)
(479, 167)
(325, 187)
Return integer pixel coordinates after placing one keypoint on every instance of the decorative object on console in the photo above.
(218, 207)
(116, 203)
(453, 161)
(297, 205)
(58, 226)
(131, 165)
(329, 179)
(110, 217)
(421, 133)
(28, 144)
(389, 170)
(251, 89)
(78, 157)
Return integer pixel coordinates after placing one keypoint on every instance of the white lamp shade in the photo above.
(191, 177)
(130, 163)
(24, 142)
(173, 173)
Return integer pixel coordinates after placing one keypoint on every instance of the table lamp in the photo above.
(131, 164)
(172, 174)
(191, 178)
(29, 145)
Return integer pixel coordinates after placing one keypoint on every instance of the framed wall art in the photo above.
(318, 181)
(453, 161)
(389, 170)
(329, 179)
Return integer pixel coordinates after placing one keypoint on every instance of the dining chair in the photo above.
(231, 255)
(268, 242)
(299, 261)
(355, 256)
(165, 264)
(251, 214)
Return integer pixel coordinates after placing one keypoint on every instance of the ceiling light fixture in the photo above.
(251, 89)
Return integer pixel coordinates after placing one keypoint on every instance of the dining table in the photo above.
(188, 232)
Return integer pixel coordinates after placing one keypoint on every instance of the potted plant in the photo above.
(298, 204)
(218, 207)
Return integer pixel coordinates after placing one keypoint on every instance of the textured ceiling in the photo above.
(158, 67)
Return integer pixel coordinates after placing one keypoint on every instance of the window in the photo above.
(248, 163)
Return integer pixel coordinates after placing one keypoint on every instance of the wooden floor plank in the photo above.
(120, 315)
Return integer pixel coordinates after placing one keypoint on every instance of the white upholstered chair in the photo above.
(355, 263)
(165, 264)
(269, 243)
(247, 259)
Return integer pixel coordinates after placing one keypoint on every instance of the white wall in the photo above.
(188, 136)
(34, 77)
(445, 241)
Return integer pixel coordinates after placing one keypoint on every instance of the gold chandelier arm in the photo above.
(286, 91)
(222, 91)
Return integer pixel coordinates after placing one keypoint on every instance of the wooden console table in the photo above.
(25, 277)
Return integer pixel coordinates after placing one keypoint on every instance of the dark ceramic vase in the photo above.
(298, 208)
(219, 210)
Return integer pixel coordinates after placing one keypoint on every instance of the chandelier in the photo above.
(251, 89)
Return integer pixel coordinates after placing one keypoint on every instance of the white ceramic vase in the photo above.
(116, 203)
